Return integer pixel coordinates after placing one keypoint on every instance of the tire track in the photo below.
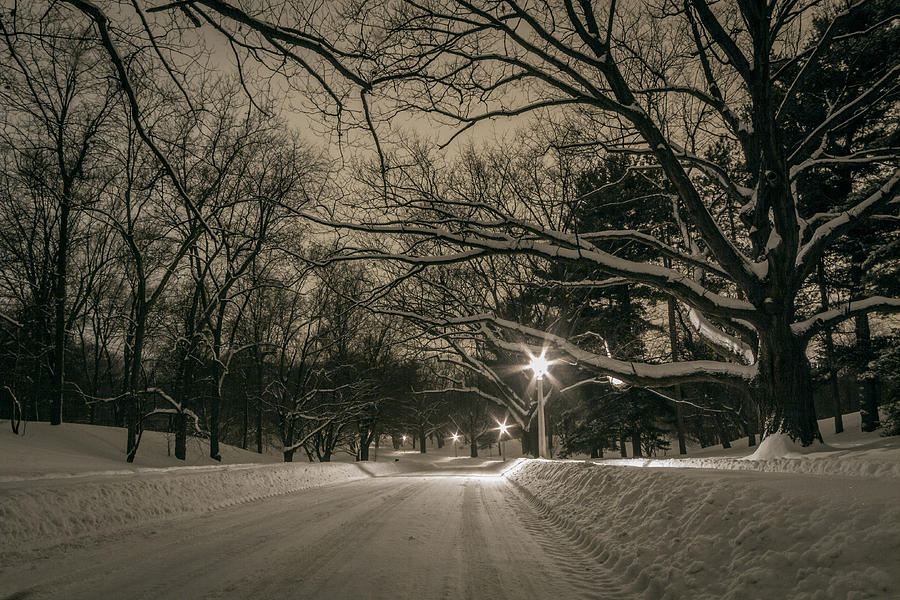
(350, 535)
(197, 551)
(581, 556)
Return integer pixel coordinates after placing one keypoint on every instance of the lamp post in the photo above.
(455, 447)
(540, 366)
(500, 441)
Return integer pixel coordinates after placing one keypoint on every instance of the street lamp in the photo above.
(541, 367)
(455, 437)
(504, 428)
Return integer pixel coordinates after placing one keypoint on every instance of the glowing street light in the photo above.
(541, 367)
(504, 430)
(455, 437)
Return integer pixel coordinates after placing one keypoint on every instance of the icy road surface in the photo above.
(465, 534)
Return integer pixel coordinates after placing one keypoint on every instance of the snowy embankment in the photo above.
(56, 509)
(673, 534)
(777, 454)
(852, 453)
(53, 488)
(780, 522)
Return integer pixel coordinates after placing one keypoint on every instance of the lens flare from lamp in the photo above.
(539, 365)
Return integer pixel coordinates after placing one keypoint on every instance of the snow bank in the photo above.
(46, 511)
(807, 464)
(73, 448)
(852, 453)
(691, 534)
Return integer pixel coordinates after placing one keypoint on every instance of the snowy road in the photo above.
(413, 536)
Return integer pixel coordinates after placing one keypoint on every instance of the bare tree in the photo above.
(58, 101)
(662, 81)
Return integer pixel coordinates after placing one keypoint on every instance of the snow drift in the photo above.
(57, 509)
(674, 534)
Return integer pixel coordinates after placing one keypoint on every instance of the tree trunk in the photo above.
(623, 451)
(473, 449)
(636, 444)
(132, 405)
(131, 423)
(679, 413)
(784, 387)
(59, 293)
(422, 439)
(829, 352)
(287, 439)
(724, 437)
(181, 436)
(259, 408)
(214, 428)
(245, 424)
(869, 391)
(752, 419)
(214, 405)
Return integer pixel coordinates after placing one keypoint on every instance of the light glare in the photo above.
(539, 365)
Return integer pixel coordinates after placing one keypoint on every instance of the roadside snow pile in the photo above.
(822, 462)
(679, 534)
(781, 445)
(852, 453)
(46, 511)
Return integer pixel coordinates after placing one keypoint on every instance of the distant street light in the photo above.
(504, 429)
(541, 366)
(455, 437)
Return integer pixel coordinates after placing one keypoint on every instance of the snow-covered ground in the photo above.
(57, 451)
(852, 453)
(825, 525)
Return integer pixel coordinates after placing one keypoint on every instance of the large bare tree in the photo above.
(665, 81)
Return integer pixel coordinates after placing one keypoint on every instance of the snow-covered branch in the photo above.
(720, 339)
(837, 225)
(678, 284)
(10, 320)
(829, 318)
(467, 390)
(636, 373)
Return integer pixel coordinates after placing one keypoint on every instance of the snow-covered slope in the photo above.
(826, 525)
(852, 453)
(65, 481)
(686, 533)
(53, 451)
(52, 510)
(776, 521)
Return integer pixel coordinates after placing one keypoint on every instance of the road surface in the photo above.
(430, 535)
